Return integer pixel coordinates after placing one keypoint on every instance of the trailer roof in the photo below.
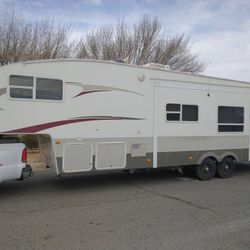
(129, 65)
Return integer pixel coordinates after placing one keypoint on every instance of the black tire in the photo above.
(226, 167)
(188, 171)
(206, 170)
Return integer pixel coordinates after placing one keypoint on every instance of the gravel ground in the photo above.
(158, 210)
(34, 159)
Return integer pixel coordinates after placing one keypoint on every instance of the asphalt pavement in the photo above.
(158, 210)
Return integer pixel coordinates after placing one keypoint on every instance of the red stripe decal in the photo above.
(91, 91)
(40, 127)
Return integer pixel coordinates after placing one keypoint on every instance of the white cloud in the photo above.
(2, 2)
(151, 1)
(92, 2)
(219, 33)
(38, 4)
(227, 53)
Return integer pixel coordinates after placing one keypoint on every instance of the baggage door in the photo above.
(77, 157)
(110, 155)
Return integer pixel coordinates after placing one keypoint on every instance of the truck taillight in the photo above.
(24, 155)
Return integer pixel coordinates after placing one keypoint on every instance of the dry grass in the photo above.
(34, 159)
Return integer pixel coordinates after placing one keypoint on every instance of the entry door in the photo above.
(176, 128)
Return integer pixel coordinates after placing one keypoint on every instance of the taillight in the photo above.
(24, 155)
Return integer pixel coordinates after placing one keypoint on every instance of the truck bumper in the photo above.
(27, 172)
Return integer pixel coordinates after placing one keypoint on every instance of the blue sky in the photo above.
(219, 30)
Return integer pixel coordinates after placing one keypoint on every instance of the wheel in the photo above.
(226, 167)
(188, 171)
(206, 170)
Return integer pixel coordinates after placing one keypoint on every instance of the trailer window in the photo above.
(21, 86)
(173, 111)
(41, 89)
(173, 107)
(181, 112)
(230, 119)
(189, 113)
(22, 81)
(49, 89)
(21, 93)
(173, 117)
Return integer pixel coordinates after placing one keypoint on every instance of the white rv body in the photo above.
(114, 116)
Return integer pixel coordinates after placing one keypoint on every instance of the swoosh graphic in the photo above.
(87, 89)
(90, 91)
(44, 126)
(3, 91)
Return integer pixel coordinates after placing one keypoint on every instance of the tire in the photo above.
(188, 171)
(226, 167)
(206, 170)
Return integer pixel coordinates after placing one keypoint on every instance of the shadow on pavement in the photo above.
(46, 181)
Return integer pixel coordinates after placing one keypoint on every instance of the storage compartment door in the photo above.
(110, 155)
(77, 157)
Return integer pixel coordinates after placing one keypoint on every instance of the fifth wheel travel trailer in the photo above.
(94, 115)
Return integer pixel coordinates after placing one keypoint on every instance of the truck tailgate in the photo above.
(11, 164)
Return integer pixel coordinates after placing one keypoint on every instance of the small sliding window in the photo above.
(230, 119)
(21, 86)
(181, 112)
(173, 112)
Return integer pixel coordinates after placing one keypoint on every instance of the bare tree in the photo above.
(48, 41)
(14, 37)
(20, 40)
(147, 42)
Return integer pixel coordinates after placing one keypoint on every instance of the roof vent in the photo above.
(157, 65)
(119, 61)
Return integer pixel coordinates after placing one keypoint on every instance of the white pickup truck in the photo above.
(13, 160)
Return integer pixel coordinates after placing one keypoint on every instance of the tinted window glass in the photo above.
(227, 114)
(189, 113)
(230, 128)
(173, 117)
(21, 93)
(173, 107)
(8, 139)
(48, 89)
(24, 81)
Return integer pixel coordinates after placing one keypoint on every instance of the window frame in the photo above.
(180, 113)
(230, 124)
(34, 90)
(20, 87)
